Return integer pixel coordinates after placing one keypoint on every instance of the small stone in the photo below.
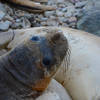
(4, 25)
(64, 9)
(51, 22)
(18, 20)
(77, 13)
(2, 8)
(59, 13)
(16, 25)
(52, 17)
(44, 19)
(70, 11)
(80, 4)
(2, 14)
(62, 19)
(64, 24)
(9, 18)
(72, 24)
(49, 13)
(26, 23)
(5, 38)
(60, 1)
(43, 23)
(3, 51)
(72, 19)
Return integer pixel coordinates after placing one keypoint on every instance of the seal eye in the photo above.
(46, 61)
(35, 38)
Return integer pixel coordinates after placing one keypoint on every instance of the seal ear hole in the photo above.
(35, 38)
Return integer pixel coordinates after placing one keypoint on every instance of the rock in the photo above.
(59, 13)
(4, 25)
(43, 23)
(26, 23)
(60, 1)
(22, 19)
(55, 91)
(9, 18)
(72, 19)
(2, 14)
(92, 4)
(5, 38)
(80, 4)
(89, 20)
(49, 13)
(44, 19)
(62, 19)
(64, 9)
(53, 17)
(51, 22)
(70, 11)
(2, 52)
(2, 8)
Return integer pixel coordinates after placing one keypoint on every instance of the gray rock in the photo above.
(2, 7)
(60, 1)
(80, 4)
(44, 19)
(26, 23)
(9, 18)
(53, 17)
(2, 14)
(62, 19)
(64, 9)
(90, 22)
(72, 19)
(4, 25)
(49, 13)
(3, 51)
(59, 13)
(51, 22)
(43, 23)
(92, 4)
(5, 38)
(70, 11)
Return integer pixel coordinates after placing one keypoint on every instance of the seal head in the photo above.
(34, 62)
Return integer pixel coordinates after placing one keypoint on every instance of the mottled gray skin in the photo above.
(19, 70)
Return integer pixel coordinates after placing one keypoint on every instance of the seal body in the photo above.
(26, 71)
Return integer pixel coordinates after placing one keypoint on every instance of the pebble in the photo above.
(64, 9)
(2, 14)
(49, 13)
(80, 4)
(3, 51)
(72, 19)
(59, 13)
(70, 11)
(4, 25)
(65, 14)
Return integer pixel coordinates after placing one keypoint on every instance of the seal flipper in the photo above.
(30, 5)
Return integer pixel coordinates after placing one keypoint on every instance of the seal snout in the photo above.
(47, 61)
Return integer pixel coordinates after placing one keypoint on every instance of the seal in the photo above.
(27, 69)
(30, 5)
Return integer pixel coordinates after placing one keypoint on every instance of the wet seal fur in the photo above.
(26, 71)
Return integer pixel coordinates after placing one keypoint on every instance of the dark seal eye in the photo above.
(46, 61)
(35, 38)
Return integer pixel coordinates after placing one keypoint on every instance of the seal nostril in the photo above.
(35, 38)
(46, 61)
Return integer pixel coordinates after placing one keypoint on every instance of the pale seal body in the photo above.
(26, 70)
